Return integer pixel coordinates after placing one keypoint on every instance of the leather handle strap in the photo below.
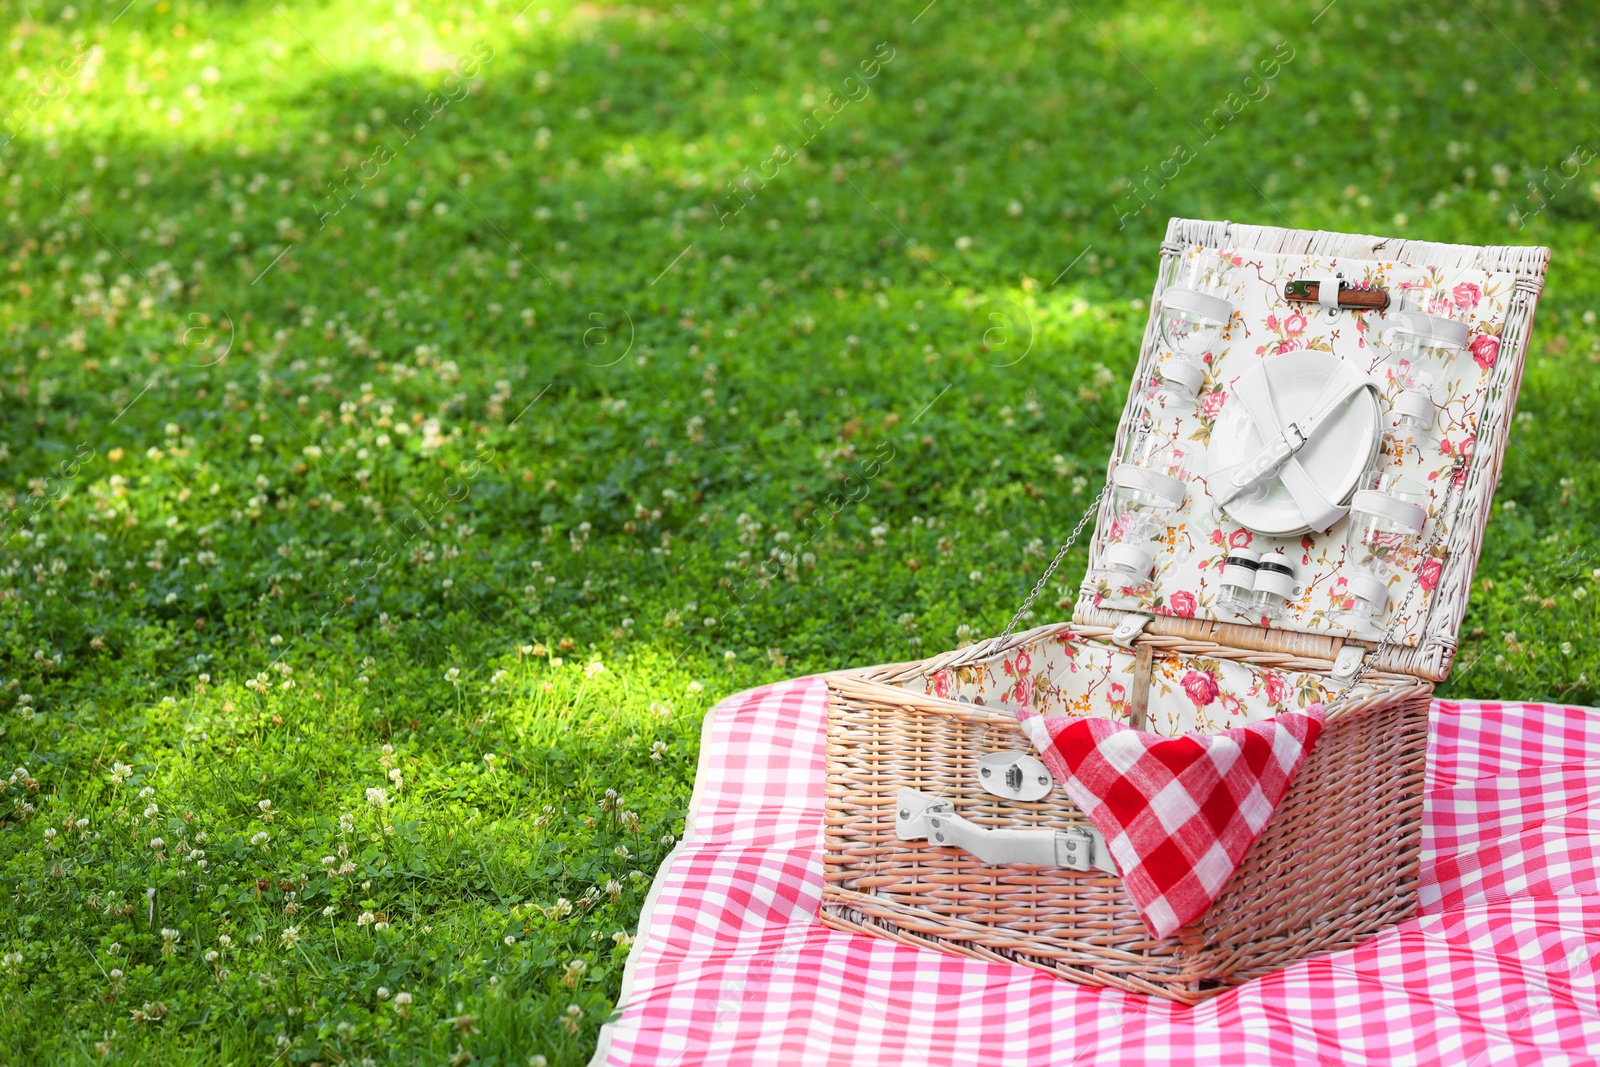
(1431, 330)
(1139, 696)
(1204, 305)
(1402, 513)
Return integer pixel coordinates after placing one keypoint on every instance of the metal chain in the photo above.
(1385, 640)
(1038, 587)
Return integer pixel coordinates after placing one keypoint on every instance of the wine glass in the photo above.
(1193, 315)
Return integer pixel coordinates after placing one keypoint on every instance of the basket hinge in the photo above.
(922, 817)
(1128, 629)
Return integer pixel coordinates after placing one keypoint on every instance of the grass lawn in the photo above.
(407, 433)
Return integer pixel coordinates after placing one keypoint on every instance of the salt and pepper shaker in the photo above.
(1275, 584)
(1238, 580)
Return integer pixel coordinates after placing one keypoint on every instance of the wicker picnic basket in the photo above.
(1338, 861)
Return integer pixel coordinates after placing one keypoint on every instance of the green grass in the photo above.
(490, 461)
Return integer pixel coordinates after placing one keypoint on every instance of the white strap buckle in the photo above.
(1299, 433)
(1274, 455)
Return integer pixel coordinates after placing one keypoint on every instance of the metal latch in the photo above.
(922, 817)
(1014, 775)
(1347, 663)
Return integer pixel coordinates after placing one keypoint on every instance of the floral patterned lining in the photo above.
(1065, 674)
(1192, 550)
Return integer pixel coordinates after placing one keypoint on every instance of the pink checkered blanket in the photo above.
(1500, 966)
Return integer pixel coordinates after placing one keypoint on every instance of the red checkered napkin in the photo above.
(1177, 813)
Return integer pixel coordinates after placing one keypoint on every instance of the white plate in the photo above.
(1342, 448)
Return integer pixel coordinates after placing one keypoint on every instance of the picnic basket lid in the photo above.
(1480, 301)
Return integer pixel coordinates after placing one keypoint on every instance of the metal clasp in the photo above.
(1077, 848)
(1129, 628)
(1347, 663)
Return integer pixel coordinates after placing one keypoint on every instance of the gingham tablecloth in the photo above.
(1500, 966)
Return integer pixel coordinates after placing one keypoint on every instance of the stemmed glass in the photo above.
(1148, 487)
(1387, 514)
(1193, 315)
(1420, 326)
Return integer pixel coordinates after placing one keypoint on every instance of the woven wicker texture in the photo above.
(1338, 861)
(1306, 886)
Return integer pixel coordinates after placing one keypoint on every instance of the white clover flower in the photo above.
(120, 772)
(327, 913)
(594, 668)
(509, 941)
(329, 861)
(452, 674)
(290, 935)
(212, 955)
(402, 998)
(224, 940)
(151, 812)
(260, 839)
(383, 993)
(364, 919)
(377, 797)
(157, 844)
